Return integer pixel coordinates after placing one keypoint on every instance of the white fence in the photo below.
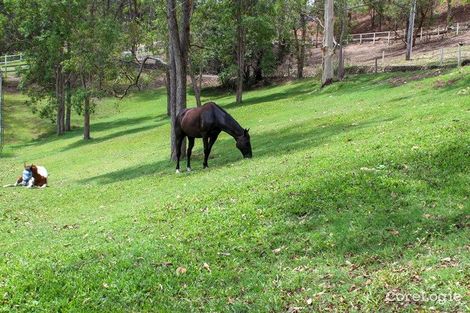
(12, 63)
(6, 59)
(423, 34)
(388, 59)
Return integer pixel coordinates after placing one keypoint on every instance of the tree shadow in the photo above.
(160, 168)
(102, 126)
(298, 89)
(280, 142)
(375, 213)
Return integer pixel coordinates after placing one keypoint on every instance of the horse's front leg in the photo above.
(179, 143)
(190, 150)
(205, 141)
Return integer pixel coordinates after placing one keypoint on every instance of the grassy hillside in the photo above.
(354, 191)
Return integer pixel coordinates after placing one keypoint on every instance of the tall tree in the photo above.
(299, 31)
(343, 19)
(410, 32)
(328, 44)
(95, 48)
(179, 31)
(240, 44)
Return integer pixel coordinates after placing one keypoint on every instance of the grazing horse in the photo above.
(33, 176)
(207, 122)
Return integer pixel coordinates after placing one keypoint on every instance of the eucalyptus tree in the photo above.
(45, 28)
(95, 48)
(328, 43)
(178, 21)
(293, 15)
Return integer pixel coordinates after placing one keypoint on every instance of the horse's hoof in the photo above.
(178, 172)
(188, 169)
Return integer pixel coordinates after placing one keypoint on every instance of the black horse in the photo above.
(207, 122)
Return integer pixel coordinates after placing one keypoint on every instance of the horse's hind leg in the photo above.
(179, 143)
(190, 150)
(208, 143)
(205, 141)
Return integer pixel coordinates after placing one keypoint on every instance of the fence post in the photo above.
(441, 60)
(457, 29)
(373, 41)
(388, 39)
(383, 60)
(421, 35)
(376, 65)
(360, 39)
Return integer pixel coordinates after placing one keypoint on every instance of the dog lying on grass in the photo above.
(33, 176)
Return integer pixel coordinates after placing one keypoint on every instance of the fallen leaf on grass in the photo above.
(181, 270)
(309, 301)
(294, 309)
(206, 266)
(165, 264)
(449, 262)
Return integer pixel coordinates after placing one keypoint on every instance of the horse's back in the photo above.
(42, 171)
(196, 122)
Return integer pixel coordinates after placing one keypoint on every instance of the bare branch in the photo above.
(143, 65)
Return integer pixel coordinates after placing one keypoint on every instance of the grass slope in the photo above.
(354, 191)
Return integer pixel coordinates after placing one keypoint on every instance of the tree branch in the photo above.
(143, 65)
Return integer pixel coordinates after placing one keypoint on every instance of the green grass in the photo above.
(354, 191)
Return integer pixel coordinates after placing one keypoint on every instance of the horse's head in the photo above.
(244, 144)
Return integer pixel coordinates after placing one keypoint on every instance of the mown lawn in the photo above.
(354, 191)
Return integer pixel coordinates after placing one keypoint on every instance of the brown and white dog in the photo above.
(33, 176)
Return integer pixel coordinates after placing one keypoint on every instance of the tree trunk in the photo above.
(196, 89)
(168, 83)
(341, 62)
(86, 119)
(449, 12)
(372, 19)
(168, 91)
(86, 112)
(59, 84)
(179, 45)
(240, 51)
(303, 20)
(318, 31)
(68, 107)
(410, 33)
(172, 101)
(328, 48)
(300, 46)
(343, 22)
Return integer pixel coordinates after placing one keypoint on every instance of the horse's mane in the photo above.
(220, 108)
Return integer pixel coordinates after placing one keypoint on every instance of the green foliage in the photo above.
(214, 30)
(354, 190)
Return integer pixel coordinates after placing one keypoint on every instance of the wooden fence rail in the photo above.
(6, 59)
(389, 36)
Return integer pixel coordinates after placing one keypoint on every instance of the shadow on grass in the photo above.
(285, 141)
(102, 126)
(376, 213)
